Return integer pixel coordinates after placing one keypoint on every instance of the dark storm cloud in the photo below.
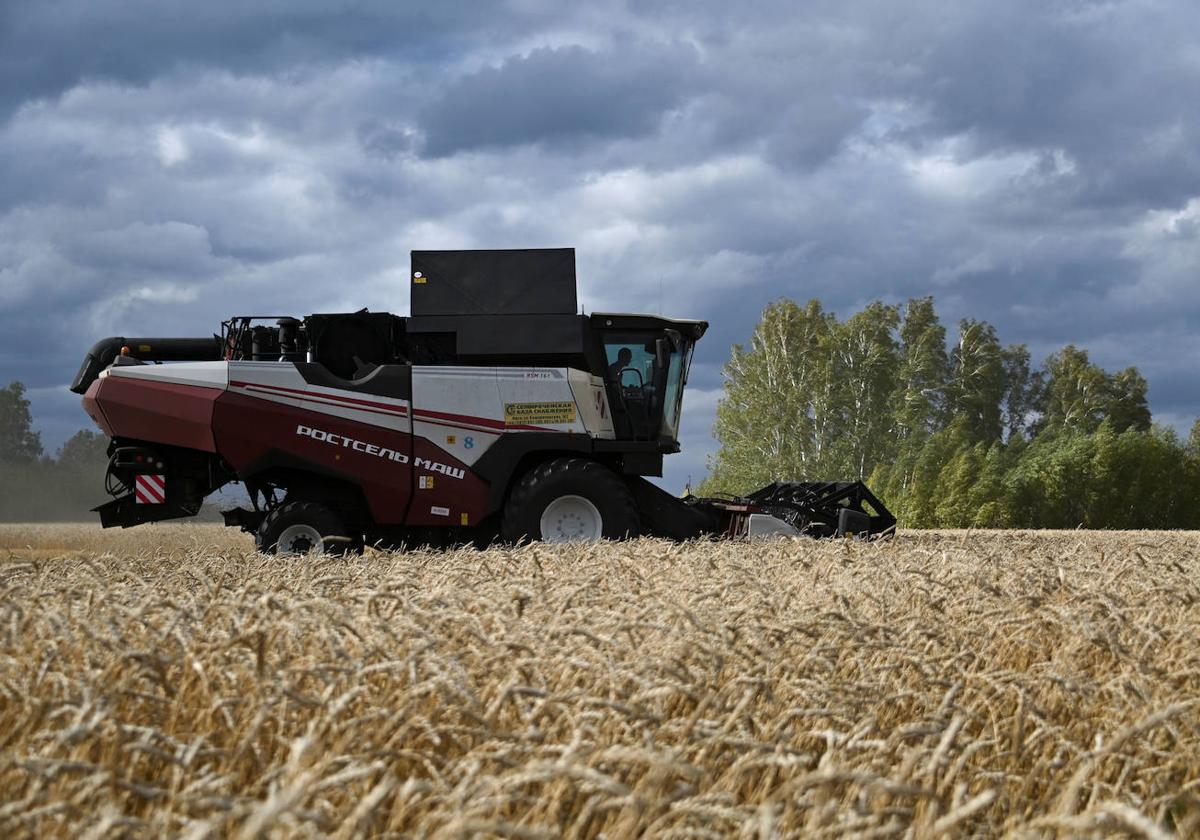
(48, 47)
(1106, 83)
(558, 95)
(1037, 164)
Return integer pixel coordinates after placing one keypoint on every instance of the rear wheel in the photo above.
(301, 528)
(570, 500)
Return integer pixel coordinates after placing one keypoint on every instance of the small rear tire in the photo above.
(302, 528)
(570, 500)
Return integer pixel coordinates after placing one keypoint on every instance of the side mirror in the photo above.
(662, 353)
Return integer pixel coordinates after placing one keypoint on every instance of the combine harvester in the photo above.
(494, 410)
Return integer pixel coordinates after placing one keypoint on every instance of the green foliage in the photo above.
(19, 443)
(1127, 408)
(779, 409)
(1079, 396)
(1022, 386)
(84, 449)
(943, 437)
(919, 400)
(865, 377)
(977, 385)
(808, 396)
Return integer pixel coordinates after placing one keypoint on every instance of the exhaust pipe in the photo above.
(106, 350)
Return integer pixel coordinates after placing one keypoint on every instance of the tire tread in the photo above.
(322, 518)
(521, 498)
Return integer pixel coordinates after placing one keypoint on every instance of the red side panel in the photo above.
(156, 412)
(445, 491)
(91, 404)
(257, 434)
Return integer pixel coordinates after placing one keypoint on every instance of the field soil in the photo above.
(169, 681)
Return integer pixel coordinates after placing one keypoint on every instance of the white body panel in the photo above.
(464, 410)
(200, 374)
(458, 409)
(539, 399)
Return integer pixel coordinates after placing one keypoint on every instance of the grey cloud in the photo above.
(559, 95)
(1106, 83)
(48, 48)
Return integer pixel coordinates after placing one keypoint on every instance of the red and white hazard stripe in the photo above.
(150, 489)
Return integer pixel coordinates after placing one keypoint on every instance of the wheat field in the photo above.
(168, 681)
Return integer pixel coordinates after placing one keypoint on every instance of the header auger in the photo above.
(492, 411)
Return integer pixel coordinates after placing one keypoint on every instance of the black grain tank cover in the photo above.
(533, 281)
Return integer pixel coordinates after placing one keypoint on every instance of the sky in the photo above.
(164, 165)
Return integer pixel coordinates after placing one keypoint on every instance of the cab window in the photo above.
(630, 362)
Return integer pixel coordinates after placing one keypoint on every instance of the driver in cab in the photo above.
(624, 357)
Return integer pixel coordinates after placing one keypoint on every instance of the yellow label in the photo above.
(466, 520)
(522, 414)
(451, 438)
(143, 348)
(420, 281)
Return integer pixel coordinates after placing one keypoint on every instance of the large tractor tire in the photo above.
(570, 500)
(304, 527)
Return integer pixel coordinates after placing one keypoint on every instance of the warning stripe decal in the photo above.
(150, 489)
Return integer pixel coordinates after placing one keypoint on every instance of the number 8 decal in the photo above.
(468, 443)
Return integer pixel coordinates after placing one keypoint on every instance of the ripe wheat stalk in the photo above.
(170, 682)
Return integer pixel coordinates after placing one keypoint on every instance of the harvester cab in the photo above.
(493, 410)
(647, 367)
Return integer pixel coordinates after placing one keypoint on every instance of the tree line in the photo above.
(965, 435)
(37, 487)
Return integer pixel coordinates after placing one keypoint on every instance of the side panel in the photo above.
(272, 419)
(375, 435)
(445, 490)
(540, 400)
(256, 436)
(153, 411)
(459, 414)
(256, 419)
(457, 409)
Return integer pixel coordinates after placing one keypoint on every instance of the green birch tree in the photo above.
(868, 362)
(773, 419)
(977, 383)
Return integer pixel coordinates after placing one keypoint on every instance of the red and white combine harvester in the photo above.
(493, 411)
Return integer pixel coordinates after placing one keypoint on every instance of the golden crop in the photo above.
(167, 681)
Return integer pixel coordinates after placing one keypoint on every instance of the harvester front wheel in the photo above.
(570, 500)
(301, 528)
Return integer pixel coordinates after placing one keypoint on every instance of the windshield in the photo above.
(673, 397)
(650, 393)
